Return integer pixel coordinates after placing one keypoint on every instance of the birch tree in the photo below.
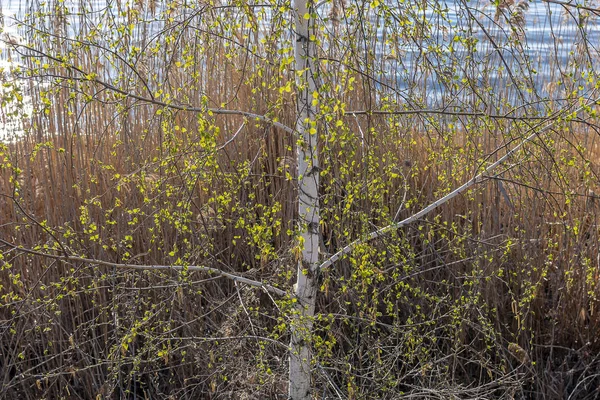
(349, 199)
(306, 286)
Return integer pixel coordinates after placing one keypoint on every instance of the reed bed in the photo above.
(494, 295)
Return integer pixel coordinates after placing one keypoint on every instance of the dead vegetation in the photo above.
(494, 295)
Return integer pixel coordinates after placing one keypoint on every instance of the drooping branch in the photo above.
(91, 78)
(536, 130)
(209, 270)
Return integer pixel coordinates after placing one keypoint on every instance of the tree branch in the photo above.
(477, 179)
(86, 78)
(444, 112)
(212, 271)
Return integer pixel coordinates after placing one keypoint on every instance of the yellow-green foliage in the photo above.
(129, 158)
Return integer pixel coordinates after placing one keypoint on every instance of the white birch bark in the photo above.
(308, 184)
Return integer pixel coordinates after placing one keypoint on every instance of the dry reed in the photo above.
(443, 305)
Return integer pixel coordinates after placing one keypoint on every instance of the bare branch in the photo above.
(212, 271)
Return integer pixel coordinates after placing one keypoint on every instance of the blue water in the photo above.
(553, 54)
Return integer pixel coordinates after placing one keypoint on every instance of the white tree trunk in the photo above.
(308, 184)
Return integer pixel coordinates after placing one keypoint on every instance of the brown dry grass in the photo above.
(523, 249)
